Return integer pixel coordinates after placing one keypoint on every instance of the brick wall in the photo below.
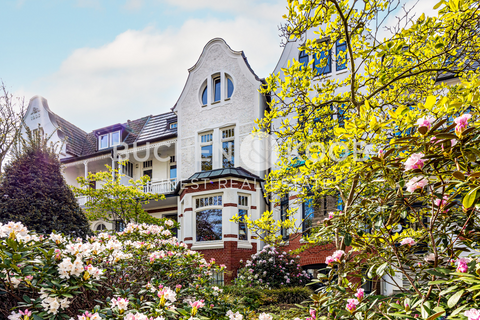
(314, 255)
(230, 256)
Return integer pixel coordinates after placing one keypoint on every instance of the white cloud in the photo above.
(142, 72)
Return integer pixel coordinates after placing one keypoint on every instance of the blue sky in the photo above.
(99, 62)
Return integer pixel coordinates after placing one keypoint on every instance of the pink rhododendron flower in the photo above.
(416, 183)
(425, 122)
(381, 153)
(462, 265)
(360, 294)
(415, 161)
(352, 304)
(408, 241)
(472, 314)
(329, 260)
(441, 202)
(462, 123)
(197, 304)
(330, 215)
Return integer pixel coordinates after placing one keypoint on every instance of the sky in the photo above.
(100, 62)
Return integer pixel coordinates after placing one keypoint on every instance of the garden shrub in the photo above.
(270, 268)
(34, 192)
(142, 271)
(254, 297)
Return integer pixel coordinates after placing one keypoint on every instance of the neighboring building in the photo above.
(191, 154)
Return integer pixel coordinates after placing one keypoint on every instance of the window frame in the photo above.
(109, 139)
(215, 78)
(206, 144)
(302, 55)
(228, 139)
(316, 61)
(213, 206)
(173, 125)
(284, 204)
(338, 67)
(304, 217)
(243, 206)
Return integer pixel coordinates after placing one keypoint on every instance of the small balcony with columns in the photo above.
(156, 160)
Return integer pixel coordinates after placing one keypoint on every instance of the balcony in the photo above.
(161, 187)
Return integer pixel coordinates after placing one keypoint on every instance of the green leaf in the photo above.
(469, 199)
(436, 315)
(458, 310)
(381, 269)
(452, 302)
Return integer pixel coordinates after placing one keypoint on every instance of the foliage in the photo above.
(325, 127)
(34, 192)
(410, 208)
(270, 268)
(257, 298)
(116, 200)
(12, 110)
(113, 276)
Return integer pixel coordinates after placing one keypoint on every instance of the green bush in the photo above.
(254, 297)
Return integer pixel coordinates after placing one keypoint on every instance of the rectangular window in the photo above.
(228, 148)
(147, 164)
(119, 226)
(104, 141)
(173, 125)
(323, 61)
(128, 169)
(173, 172)
(303, 58)
(242, 213)
(172, 159)
(217, 89)
(341, 50)
(209, 224)
(307, 216)
(208, 201)
(284, 215)
(206, 156)
(115, 138)
(218, 278)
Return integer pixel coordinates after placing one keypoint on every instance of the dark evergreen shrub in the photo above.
(34, 192)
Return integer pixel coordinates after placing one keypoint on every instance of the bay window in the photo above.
(208, 218)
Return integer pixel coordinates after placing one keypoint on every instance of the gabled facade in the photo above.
(191, 155)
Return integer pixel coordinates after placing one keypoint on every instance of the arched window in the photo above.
(205, 96)
(101, 227)
(217, 87)
(229, 87)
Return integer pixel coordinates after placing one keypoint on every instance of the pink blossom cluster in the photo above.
(472, 314)
(425, 122)
(408, 241)
(352, 304)
(462, 123)
(120, 303)
(313, 315)
(360, 294)
(234, 316)
(415, 161)
(416, 183)
(462, 266)
(335, 257)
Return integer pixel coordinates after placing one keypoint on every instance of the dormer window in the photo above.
(173, 125)
(109, 140)
(217, 88)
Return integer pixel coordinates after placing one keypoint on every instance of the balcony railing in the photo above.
(160, 186)
(151, 187)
